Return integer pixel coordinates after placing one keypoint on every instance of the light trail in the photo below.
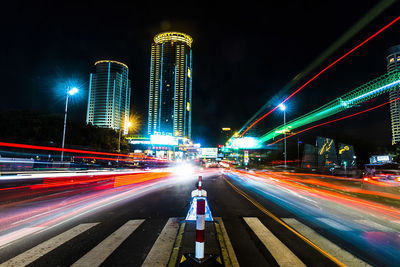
(362, 205)
(328, 52)
(335, 120)
(349, 220)
(31, 216)
(344, 188)
(34, 147)
(63, 210)
(48, 180)
(321, 72)
(137, 158)
(369, 90)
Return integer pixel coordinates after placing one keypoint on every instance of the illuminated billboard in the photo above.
(208, 152)
(326, 152)
(163, 140)
(380, 159)
(346, 155)
(246, 142)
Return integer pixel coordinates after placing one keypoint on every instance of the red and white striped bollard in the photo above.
(200, 226)
(200, 182)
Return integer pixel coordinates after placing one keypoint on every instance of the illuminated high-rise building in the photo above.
(109, 96)
(393, 62)
(170, 92)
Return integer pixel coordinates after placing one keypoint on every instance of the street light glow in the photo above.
(282, 107)
(73, 91)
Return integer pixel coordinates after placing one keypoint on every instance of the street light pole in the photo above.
(70, 92)
(284, 133)
(119, 141)
(127, 124)
(298, 152)
(283, 108)
(65, 126)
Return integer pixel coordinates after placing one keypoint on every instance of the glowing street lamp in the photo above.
(128, 124)
(73, 91)
(70, 92)
(283, 108)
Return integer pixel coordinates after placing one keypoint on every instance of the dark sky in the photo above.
(243, 55)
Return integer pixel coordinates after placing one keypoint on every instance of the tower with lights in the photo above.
(170, 89)
(393, 62)
(109, 96)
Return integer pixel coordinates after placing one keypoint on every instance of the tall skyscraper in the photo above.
(170, 94)
(109, 96)
(393, 62)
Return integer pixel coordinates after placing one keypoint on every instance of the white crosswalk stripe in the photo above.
(102, 251)
(38, 251)
(282, 254)
(161, 250)
(342, 255)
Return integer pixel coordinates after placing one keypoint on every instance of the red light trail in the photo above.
(65, 149)
(322, 71)
(339, 198)
(335, 120)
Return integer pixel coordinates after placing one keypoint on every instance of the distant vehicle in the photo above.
(382, 172)
(16, 164)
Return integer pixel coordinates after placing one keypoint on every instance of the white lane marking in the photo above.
(103, 250)
(375, 226)
(334, 224)
(161, 250)
(38, 251)
(282, 254)
(229, 247)
(8, 238)
(342, 255)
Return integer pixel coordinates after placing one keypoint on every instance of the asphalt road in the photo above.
(139, 216)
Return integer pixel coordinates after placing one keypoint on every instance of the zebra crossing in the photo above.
(100, 253)
(160, 252)
(40, 250)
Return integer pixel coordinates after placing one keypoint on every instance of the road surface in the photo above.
(268, 220)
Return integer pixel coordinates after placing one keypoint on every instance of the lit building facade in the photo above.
(170, 92)
(393, 62)
(109, 96)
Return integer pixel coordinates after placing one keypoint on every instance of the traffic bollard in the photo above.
(200, 227)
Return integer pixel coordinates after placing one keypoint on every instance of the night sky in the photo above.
(243, 56)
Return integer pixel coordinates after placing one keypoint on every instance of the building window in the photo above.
(391, 60)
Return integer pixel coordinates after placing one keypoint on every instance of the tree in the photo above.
(31, 127)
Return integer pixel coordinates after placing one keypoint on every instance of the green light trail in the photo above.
(350, 33)
(369, 90)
